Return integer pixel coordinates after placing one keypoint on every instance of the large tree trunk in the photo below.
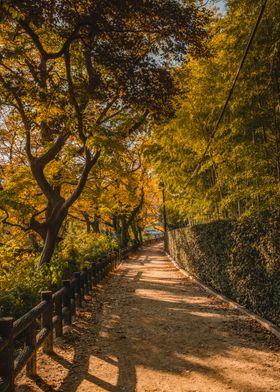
(95, 224)
(135, 234)
(124, 236)
(49, 247)
(57, 207)
(88, 223)
(50, 237)
(140, 234)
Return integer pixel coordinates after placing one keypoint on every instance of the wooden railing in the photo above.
(40, 324)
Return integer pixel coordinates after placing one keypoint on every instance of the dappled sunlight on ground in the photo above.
(147, 328)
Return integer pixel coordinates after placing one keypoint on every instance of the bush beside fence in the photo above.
(238, 259)
(38, 326)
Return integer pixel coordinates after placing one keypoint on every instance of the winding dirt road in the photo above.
(148, 328)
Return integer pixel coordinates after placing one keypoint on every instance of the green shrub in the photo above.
(79, 248)
(255, 264)
(20, 286)
(238, 259)
(21, 282)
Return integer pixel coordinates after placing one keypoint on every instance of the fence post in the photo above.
(85, 280)
(112, 261)
(78, 288)
(82, 286)
(7, 355)
(97, 271)
(73, 298)
(115, 259)
(31, 342)
(90, 278)
(109, 265)
(93, 273)
(47, 321)
(101, 269)
(67, 301)
(58, 313)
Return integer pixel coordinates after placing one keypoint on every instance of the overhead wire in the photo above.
(230, 93)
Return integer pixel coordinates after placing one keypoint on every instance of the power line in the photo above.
(230, 91)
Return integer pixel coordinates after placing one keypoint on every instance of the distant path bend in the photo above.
(149, 329)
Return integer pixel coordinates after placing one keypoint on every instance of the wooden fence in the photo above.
(38, 326)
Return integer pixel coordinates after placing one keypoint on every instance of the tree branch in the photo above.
(53, 151)
(72, 96)
(108, 223)
(101, 118)
(83, 179)
(137, 124)
(77, 218)
(35, 38)
(13, 224)
(137, 209)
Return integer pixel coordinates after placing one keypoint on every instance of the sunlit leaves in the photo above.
(240, 175)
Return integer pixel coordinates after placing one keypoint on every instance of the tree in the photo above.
(240, 174)
(68, 68)
(122, 189)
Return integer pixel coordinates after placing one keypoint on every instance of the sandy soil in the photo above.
(148, 328)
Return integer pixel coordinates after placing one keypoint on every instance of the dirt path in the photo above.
(147, 328)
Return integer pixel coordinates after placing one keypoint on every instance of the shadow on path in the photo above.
(149, 329)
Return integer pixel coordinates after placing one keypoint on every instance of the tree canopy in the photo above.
(239, 175)
(77, 79)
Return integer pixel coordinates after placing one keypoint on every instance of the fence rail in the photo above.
(39, 326)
